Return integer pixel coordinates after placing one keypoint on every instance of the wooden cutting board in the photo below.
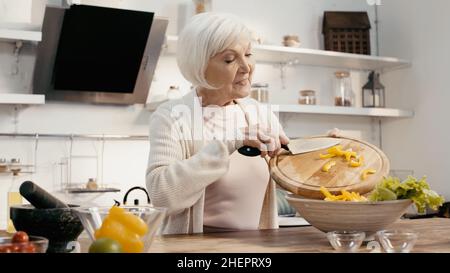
(302, 174)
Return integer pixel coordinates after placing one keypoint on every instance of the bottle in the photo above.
(14, 198)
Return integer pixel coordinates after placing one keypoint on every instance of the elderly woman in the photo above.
(194, 167)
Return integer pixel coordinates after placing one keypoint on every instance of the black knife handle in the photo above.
(251, 151)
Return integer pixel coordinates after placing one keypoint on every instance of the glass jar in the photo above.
(307, 97)
(92, 184)
(3, 165)
(202, 6)
(343, 93)
(291, 41)
(174, 92)
(260, 92)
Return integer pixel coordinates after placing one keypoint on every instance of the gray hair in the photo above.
(204, 36)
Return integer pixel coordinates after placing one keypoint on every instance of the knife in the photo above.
(297, 146)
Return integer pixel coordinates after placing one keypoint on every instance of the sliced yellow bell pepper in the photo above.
(328, 165)
(349, 154)
(327, 194)
(336, 150)
(326, 156)
(344, 196)
(367, 172)
(357, 163)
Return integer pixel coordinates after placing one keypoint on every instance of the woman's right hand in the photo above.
(267, 141)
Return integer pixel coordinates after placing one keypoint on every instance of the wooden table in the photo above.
(434, 236)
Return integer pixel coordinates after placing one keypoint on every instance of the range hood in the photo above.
(98, 55)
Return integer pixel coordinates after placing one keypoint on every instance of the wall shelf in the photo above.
(7, 98)
(345, 111)
(17, 167)
(329, 110)
(314, 57)
(20, 35)
(85, 190)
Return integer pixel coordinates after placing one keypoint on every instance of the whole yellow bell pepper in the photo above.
(130, 221)
(125, 228)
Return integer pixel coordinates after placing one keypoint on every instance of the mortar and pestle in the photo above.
(47, 216)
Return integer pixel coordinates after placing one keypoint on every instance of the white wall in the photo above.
(124, 162)
(419, 30)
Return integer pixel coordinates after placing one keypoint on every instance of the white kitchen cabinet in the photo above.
(21, 20)
(17, 11)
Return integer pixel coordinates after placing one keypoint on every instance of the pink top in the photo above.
(234, 202)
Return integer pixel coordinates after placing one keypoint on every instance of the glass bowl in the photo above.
(346, 241)
(92, 219)
(36, 244)
(397, 241)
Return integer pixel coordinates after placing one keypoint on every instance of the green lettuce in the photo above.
(418, 191)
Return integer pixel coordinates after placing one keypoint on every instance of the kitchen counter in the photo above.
(434, 236)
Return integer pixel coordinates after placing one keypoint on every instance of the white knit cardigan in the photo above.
(181, 165)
